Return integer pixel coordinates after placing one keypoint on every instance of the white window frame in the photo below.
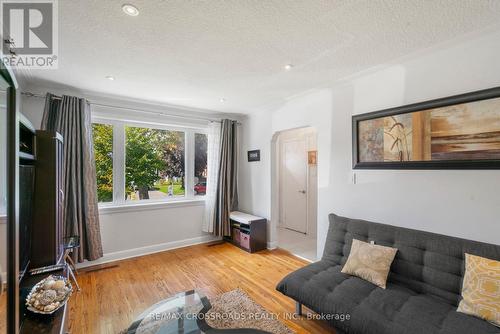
(119, 152)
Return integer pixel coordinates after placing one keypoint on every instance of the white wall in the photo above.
(133, 231)
(458, 203)
(254, 182)
(145, 230)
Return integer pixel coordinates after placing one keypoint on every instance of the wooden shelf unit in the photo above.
(248, 232)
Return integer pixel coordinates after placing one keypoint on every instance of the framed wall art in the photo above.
(457, 132)
(253, 155)
(312, 157)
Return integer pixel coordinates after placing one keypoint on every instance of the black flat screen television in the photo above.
(26, 189)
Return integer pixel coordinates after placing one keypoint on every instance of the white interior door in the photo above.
(294, 184)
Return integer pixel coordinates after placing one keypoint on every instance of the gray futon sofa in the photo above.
(423, 288)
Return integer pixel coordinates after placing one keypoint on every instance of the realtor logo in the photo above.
(29, 32)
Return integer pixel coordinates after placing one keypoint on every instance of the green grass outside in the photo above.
(177, 189)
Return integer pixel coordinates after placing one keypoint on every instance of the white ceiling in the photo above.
(193, 53)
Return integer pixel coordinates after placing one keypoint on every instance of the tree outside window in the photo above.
(103, 155)
(200, 163)
(154, 165)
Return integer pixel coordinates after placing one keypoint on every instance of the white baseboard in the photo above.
(140, 251)
(303, 258)
(272, 245)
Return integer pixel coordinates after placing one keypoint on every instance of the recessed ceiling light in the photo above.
(110, 77)
(288, 67)
(130, 10)
(223, 100)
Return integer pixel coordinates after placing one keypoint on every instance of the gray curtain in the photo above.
(227, 187)
(70, 116)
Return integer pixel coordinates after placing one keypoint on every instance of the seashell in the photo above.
(47, 297)
(49, 284)
(58, 285)
(49, 308)
(61, 294)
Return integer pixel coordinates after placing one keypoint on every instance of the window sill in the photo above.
(136, 207)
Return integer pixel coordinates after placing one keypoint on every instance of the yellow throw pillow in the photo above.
(370, 262)
(481, 289)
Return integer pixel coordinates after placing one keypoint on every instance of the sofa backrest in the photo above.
(426, 263)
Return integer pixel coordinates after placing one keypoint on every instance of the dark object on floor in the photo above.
(423, 288)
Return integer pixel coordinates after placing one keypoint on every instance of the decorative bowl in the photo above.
(48, 295)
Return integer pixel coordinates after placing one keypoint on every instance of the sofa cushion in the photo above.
(481, 289)
(370, 262)
(397, 309)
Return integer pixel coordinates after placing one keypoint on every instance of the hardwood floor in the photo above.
(111, 297)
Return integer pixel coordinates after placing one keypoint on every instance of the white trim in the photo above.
(272, 245)
(189, 163)
(154, 125)
(146, 250)
(147, 206)
(301, 257)
(119, 159)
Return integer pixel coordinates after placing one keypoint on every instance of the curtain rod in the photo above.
(157, 113)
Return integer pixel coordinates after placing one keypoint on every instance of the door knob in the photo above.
(302, 191)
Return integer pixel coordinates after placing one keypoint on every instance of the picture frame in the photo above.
(312, 157)
(443, 142)
(253, 155)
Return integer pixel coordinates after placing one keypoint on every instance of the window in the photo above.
(103, 153)
(136, 163)
(154, 166)
(200, 164)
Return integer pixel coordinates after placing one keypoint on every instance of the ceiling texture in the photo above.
(194, 53)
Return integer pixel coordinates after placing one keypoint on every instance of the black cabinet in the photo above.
(48, 229)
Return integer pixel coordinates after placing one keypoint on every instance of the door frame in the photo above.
(281, 222)
(275, 185)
